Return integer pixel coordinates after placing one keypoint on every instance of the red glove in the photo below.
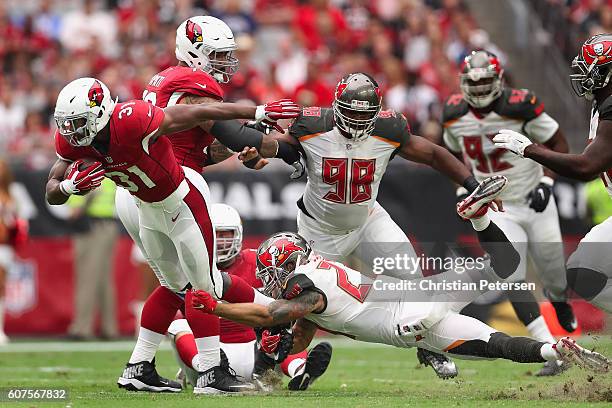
(269, 113)
(82, 181)
(202, 300)
(269, 342)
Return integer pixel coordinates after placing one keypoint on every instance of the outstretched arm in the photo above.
(421, 150)
(595, 159)
(276, 313)
(182, 117)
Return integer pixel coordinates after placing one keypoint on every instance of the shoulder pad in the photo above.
(312, 120)
(454, 108)
(196, 82)
(296, 284)
(392, 127)
(519, 104)
(605, 109)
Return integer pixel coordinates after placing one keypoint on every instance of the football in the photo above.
(82, 166)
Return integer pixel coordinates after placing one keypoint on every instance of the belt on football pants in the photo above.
(302, 207)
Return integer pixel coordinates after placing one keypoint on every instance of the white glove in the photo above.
(513, 141)
(299, 169)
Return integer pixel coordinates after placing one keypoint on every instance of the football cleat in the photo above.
(143, 376)
(442, 365)
(570, 352)
(565, 314)
(221, 380)
(552, 368)
(316, 364)
(478, 202)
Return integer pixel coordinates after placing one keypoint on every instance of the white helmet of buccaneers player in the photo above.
(207, 43)
(481, 79)
(83, 109)
(228, 230)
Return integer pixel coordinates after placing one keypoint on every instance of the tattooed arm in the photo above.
(276, 313)
(195, 100)
(303, 333)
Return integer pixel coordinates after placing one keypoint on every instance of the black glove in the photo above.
(538, 198)
(284, 345)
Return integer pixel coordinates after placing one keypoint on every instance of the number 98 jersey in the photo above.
(470, 132)
(344, 175)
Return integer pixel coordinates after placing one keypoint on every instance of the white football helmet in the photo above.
(207, 43)
(83, 108)
(226, 218)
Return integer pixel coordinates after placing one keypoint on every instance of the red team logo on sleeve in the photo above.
(95, 94)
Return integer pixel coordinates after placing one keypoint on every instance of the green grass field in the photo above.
(359, 376)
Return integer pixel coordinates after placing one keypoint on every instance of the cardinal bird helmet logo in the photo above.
(194, 32)
(96, 94)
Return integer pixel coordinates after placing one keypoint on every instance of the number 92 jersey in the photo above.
(470, 132)
(344, 175)
(147, 170)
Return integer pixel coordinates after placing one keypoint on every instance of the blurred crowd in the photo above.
(294, 48)
(571, 22)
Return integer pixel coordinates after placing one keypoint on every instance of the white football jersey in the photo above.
(347, 310)
(606, 177)
(471, 133)
(344, 175)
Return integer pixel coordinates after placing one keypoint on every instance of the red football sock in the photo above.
(186, 347)
(291, 358)
(239, 291)
(206, 330)
(159, 310)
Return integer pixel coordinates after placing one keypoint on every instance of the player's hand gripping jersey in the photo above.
(344, 175)
(470, 132)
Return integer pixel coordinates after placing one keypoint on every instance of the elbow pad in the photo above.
(236, 136)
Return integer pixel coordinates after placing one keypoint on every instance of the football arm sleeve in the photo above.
(237, 136)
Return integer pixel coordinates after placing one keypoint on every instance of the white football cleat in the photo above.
(570, 352)
(476, 204)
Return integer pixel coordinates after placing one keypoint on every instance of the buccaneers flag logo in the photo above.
(601, 51)
(278, 252)
(194, 32)
(96, 94)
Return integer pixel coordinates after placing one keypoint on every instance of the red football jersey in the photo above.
(166, 89)
(244, 266)
(147, 170)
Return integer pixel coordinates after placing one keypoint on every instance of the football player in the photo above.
(204, 49)
(589, 271)
(347, 150)
(471, 119)
(237, 340)
(318, 293)
(128, 143)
